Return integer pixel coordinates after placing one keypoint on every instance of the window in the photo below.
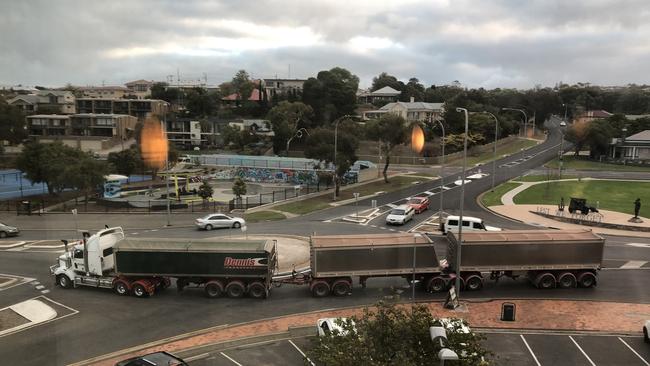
(466, 224)
(453, 222)
(105, 122)
(78, 254)
(107, 252)
(477, 225)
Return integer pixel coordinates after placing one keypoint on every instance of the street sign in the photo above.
(452, 299)
(356, 195)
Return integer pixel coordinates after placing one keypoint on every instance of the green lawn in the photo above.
(611, 195)
(570, 162)
(323, 201)
(486, 157)
(425, 174)
(494, 198)
(541, 178)
(263, 216)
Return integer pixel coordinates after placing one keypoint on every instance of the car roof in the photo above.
(403, 207)
(465, 218)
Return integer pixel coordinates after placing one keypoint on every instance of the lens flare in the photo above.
(153, 144)
(417, 139)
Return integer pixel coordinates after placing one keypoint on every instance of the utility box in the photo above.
(508, 311)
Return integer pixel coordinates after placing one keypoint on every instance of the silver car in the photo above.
(212, 221)
(6, 230)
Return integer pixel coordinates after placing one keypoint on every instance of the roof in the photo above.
(518, 236)
(90, 88)
(58, 93)
(29, 98)
(255, 96)
(596, 114)
(413, 106)
(194, 245)
(327, 241)
(387, 90)
(634, 117)
(111, 115)
(641, 136)
(141, 81)
(50, 116)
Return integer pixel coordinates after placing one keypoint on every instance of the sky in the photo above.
(499, 43)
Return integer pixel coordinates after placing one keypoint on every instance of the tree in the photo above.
(286, 118)
(242, 85)
(332, 94)
(577, 135)
(201, 103)
(391, 130)
(413, 89)
(206, 191)
(239, 188)
(232, 136)
(86, 174)
(598, 136)
(383, 80)
(162, 91)
(394, 335)
(125, 162)
(12, 123)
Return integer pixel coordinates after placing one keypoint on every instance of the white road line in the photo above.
(35, 283)
(139, 233)
(197, 357)
(639, 245)
(233, 361)
(633, 351)
(634, 264)
(583, 352)
(301, 352)
(40, 287)
(45, 291)
(383, 228)
(530, 350)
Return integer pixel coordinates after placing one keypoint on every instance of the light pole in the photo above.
(525, 118)
(494, 158)
(417, 142)
(560, 156)
(462, 197)
(298, 134)
(336, 136)
(565, 110)
(169, 208)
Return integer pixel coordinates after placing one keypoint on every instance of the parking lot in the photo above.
(510, 348)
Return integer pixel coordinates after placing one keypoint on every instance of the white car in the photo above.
(646, 328)
(400, 215)
(213, 221)
(326, 326)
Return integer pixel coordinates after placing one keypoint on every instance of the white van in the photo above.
(469, 224)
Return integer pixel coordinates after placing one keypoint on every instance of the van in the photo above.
(469, 224)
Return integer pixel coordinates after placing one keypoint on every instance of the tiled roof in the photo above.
(29, 98)
(141, 81)
(641, 136)
(255, 96)
(414, 106)
(387, 90)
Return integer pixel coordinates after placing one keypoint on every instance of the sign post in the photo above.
(452, 299)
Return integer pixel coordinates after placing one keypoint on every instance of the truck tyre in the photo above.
(208, 227)
(236, 225)
(567, 280)
(121, 288)
(63, 281)
(320, 288)
(587, 280)
(341, 288)
(474, 283)
(436, 284)
(139, 290)
(235, 289)
(213, 289)
(545, 280)
(257, 290)
(646, 339)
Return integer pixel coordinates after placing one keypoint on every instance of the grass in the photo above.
(424, 174)
(488, 156)
(263, 216)
(570, 162)
(323, 201)
(611, 195)
(493, 198)
(541, 178)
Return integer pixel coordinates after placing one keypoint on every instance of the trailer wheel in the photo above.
(213, 289)
(235, 289)
(139, 290)
(436, 284)
(567, 280)
(341, 288)
(474, 283)
(121, 288)
(320, 289)
(257, 290)
(545, 281)
(587, 280)
(63, 281)
(646, 339)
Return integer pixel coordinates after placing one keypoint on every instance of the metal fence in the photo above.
(247, 202)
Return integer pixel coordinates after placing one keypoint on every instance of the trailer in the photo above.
(548, 258)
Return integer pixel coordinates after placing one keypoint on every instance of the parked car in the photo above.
(563, 124)
(419, 204)
(400, 215)
(469, 224)
(154, 359)
(6, 230)
(213, 221)
(646, 327)
(326, 326)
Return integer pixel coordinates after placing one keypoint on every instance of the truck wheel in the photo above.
(545, 281)
(341, 288)
(567, 280)
(320, 289)
(3, 235)
(213, 289)
(236, 225)
(646, 339)
(121, 288)
(257, 290)
(208, 227)
(474, 283)
(436, 284)
(63, 281)
(235, 289)
(139, 290)
(587, 280)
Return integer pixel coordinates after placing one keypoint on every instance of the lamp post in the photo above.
(565, 110)
(462, 197)
(417, 142)
(494, 158)
(298, 134)
(525, 118)
(336, 136)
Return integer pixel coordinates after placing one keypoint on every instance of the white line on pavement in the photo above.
(45, 291)
(302, 353)
(634, 264)
(530, 350)
(633, 351)
(197, 357)
(233, 361)
(40, 287)
(639, 245)
(583, 352)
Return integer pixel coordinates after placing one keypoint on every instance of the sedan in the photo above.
(331, 326)
(419, 204)
(6, 230)
(212, 221)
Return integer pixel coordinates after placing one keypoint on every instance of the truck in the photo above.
(235, 268)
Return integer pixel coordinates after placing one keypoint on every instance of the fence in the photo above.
(247, 202)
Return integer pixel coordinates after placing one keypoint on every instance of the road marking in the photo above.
(135, 233)
(302, 353)
(633, 351)
(634, 264)
(35, 283)
(153, 230)
(197, 357)
(530, 350)
(581, 350)
(40, 287)
(233, 361)
(383, 228)
(45, 291)
(639, 245)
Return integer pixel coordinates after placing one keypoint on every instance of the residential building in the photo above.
(62, 101)
(258, 126)
(140, 88)
(383, 95)
(283, 86)
(589, 116)
(635, 147)
(235, 99)
(634, 117)
(411, 111)
(139, 108)
(106, 92)
(188, 133)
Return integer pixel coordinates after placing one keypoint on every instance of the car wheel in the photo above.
(208, 227)
(646, 339)
(236, 225)
(3, 235)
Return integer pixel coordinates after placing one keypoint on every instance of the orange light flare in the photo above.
(417, 138)
(153, 143)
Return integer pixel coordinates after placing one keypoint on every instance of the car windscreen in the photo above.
(397, 212)
(415, 201)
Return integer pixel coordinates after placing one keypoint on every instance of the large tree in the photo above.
(164, 92)
(12, 123)
(201, 103)
(331, 94)
(383, 80)
(412, 89)
(391, 130)
(577, 135)
(125, 162)
(286, 118)
(598, 136)
(86, 174)
(242, 85)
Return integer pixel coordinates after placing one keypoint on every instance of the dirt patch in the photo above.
(10, 319)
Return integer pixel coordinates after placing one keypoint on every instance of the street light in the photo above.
(336, 135)
(525, 118)
(462, 197)
(565, 110)
(417, 143)
(496, 134)
(298, 134)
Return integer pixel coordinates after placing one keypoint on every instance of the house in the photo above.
(188, 133)
(589, 116)
(635, 147)
(104, 92)
(139, 108)
(235, 99)
(385, 94)
(258, 126)
(140, 88)
(283, 86)
(411, 111)
(61, 101)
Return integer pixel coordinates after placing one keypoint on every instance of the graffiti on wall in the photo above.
(265, 175)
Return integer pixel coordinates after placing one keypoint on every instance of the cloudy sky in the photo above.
(499, 43)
